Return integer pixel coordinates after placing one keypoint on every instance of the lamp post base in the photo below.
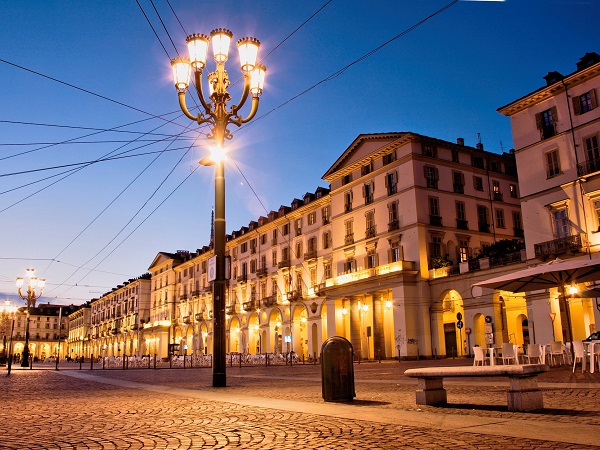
(25, 358)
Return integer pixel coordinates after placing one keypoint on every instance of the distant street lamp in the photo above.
(30, 298)
(214, 112)
(7, 317)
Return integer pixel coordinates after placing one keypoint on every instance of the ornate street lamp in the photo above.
(30, 297)
(217, 116)
(7, 320)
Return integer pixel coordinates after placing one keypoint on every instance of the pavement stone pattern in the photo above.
(48, 409)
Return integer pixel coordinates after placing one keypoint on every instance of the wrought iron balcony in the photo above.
(484, 227)
(250, 306)
(392, 189)
(186, 319)
(587, 167)
(269, 301)
(574, 244)
(242, 278)
(435, 220)
(459, 188)
(198, 317)
(368, 199)
(394, 225)
(349, 239)
(462, 224)
(231, 309)
(311, 254)
(498, 197)
(261, 271)
(283, 264)
(370, 232)
(294, 296)
(347, 207)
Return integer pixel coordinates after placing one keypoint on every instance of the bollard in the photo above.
(337, 370)
(155, 361)
(56, 367)
(103, 362)
(80, 362)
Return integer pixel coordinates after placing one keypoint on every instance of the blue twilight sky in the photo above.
(444, 79)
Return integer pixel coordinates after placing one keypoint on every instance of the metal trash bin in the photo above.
(337, 370)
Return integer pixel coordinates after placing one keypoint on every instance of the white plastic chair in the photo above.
(534, 352)
(580, 355)
(556, 352)
(508, 353)
(479, 356)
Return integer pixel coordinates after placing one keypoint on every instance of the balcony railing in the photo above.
(394, 225)
(349, 239)
(231, 309)
(261, 271)
(462, 224)
(587, 167)
(198, 317)
(573, 244)
(392, 189)
(459, 188)
(368, 199)
(435, 220)
(298, 231)
(283, 264)
(498, 196)
(252, 250)
(249, 306)
(294, 296)
(484, 227)
(186, 319)
(347, 207)
(269, 301)
(242, 278)
(370, 232)
(311, 254)
(432, 183)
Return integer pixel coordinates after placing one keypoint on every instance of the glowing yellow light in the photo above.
(573, 289)
(388, 304)
(217, 154)
(344, 311)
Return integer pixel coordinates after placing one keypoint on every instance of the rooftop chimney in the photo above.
(587, 60)
(479, 146)
(460, 141)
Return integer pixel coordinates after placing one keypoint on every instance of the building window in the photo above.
(552, 164)
(458, 182)
(513, 190)
(517, 225)
(348, 201)
(435, 247)
(368, 190)
(478, 183)
(496, 191)
(349, 229)
(253, 266)
(367, 169)
(313, 276)
(371, 259)
(434, 211)
(431, 176)
(477, 161)
(370, 224)
(312, 218)
(327, 239)
(560, 223)
(500, 218)
(391, 181)
(454, 155)
(597, 210)
(326, 215)
(393, 216)
(244, 247)
(463, 250)
(389, 158)
(429, 150)
(461, 216)
(482, 218)
(285, 229)
(395, 252)
(327, 270)
(593, 153)
(350, 265)
(299, 249)
(285, 254)
(546, 122)
(585, 102)
(263, 239)
(298, 226)
(347, 179)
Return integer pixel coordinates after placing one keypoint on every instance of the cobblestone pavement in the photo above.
(281, 407)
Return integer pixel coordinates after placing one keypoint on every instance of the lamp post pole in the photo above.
(215, 113)
(30, 298)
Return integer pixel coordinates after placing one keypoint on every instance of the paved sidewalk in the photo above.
(282, 407)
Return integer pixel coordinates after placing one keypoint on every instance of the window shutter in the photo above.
(363, 191)
(462, 178)
(425, 171)
(436, 174)
(390, 255)
(372, 187)
(538, 121)
(554, 115)
(366, 264)
(386, 180)
(576, 105)
(396, 176)
(594, 98)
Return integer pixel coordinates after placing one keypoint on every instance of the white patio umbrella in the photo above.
(554, 274)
